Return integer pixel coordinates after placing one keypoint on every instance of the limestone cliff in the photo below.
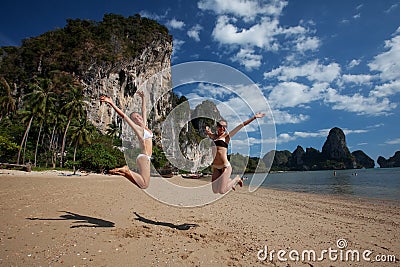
(393, 161)
(298, 157)
(183, 137)
(335, 148)
(149, 72)
(363, 159)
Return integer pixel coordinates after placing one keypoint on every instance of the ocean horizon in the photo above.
(377, 183)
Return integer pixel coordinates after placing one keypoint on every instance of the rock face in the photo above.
(183, 137)
(363, 159)
(150, 72)
(335, 145)
(335, 148)
(298, 157)
(280, 159)
(391, 162)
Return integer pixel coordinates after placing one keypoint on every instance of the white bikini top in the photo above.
(147, 134)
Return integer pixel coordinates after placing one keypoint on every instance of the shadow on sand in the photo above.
(185, 226)
(79, 220)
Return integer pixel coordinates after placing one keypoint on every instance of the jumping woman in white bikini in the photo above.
(222, 169)
(138, 123)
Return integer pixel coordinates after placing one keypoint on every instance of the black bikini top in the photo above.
(221, 143)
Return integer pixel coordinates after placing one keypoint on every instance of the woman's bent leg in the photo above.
(216, 182)
(141, 179)
(222, 183)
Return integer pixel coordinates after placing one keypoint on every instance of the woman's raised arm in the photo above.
(240, 126)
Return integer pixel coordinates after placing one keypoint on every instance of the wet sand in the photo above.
(48, 219)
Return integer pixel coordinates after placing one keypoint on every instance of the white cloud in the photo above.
(304, 44)
(284, 138)
(214, 91)
(260, 35)
(292, 94)
(393, 142)
(391, 8)
(248, 59)
(388, 63)
(312, 70)
(175, 24)
(154, 16)
(349, 131)
(194, 32)
(246, 9)
(320, 133)
(284, 117)
(260, 31)
(354, 63)
(359, 104)
(386, 89)
(177, 44)
(357, 79)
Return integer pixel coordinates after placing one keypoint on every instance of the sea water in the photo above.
(366, 183)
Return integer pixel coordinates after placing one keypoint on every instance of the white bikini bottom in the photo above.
(143, 155)
(221, 166)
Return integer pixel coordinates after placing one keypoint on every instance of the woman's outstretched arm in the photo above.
(240, 126)
(144, 111)
(109, 101)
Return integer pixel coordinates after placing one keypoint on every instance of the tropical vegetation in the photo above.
(43, 119)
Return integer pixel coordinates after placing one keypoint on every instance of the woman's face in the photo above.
(221, 127)
(137, 118)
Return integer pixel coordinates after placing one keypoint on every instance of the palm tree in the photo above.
(7, 101)
(27, 115)
(113, 130)
(56, 120)
(82, 133)
(44, 101)
(73, 108)
(38, 101)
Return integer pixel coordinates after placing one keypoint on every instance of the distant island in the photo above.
(335, 155)
(391, 162)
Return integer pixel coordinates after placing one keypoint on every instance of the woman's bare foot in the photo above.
(240, 182)
(119, 171)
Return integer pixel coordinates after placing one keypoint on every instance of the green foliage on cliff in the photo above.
(80, 44)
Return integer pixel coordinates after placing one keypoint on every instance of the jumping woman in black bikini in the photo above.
(222, 169)
(138, 123)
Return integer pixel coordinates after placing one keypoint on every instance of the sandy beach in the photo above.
(48, 219)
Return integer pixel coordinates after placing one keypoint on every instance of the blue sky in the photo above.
(319, 64)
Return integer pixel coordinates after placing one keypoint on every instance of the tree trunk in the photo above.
(23, 139)
(76, 145)
(51, 144)
(54, 157)
(63, 144)
(37, 144)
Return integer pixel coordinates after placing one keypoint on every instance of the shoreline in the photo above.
(102, 220)
(178, 180)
